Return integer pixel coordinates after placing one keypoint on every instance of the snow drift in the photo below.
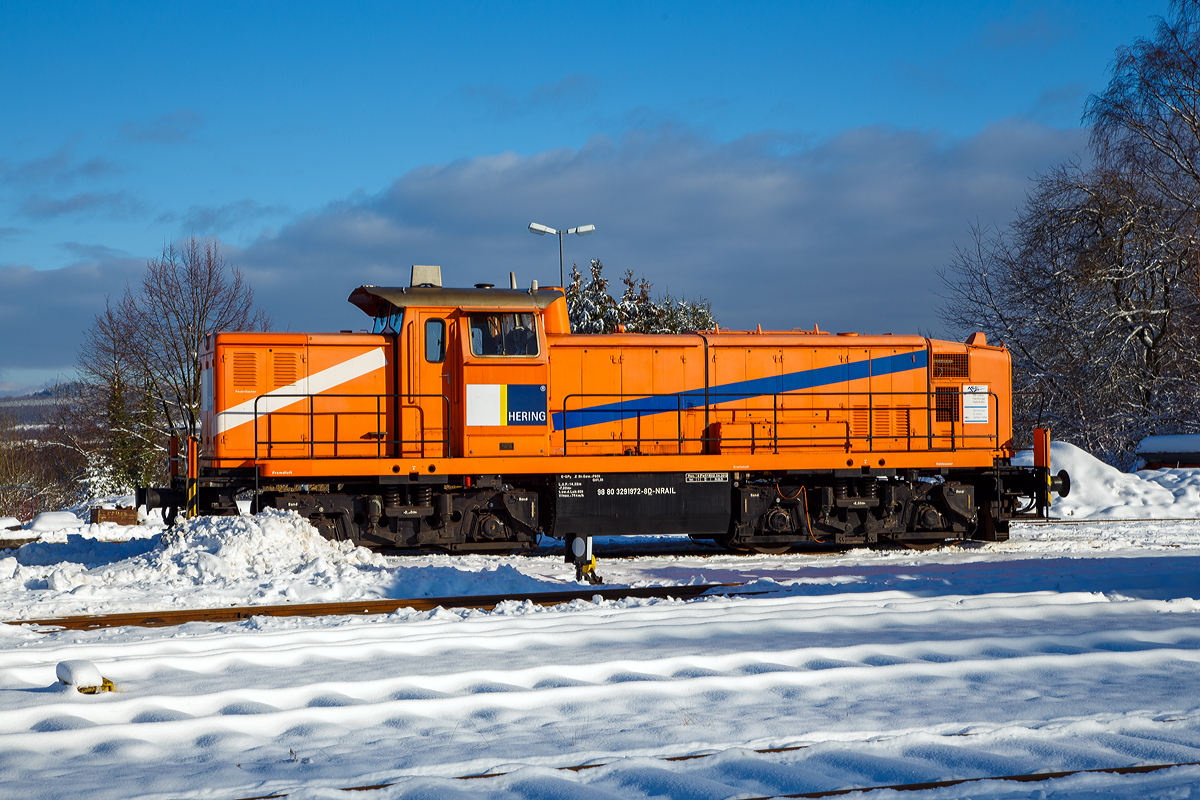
(1099, 491)
(273, 557)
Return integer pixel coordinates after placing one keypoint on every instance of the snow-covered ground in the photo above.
(1068, 647)
(1099, 491)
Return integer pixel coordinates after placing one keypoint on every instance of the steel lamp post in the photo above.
(542, 230)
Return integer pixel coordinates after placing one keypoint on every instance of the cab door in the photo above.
(425, 395)
(505, 372)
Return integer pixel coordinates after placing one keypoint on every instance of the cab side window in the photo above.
(435, 340)
(504, 335)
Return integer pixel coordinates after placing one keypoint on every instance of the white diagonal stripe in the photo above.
(316, 383)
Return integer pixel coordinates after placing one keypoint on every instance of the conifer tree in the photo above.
(592, 310)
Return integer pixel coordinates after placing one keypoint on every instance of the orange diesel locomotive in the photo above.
(473, 420)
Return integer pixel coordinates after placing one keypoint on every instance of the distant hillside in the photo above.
(31, 409)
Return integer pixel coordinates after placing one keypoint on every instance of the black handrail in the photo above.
(627, 407)
(624, 407)
(381, 439)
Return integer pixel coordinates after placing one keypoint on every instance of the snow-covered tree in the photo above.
(1094, 286)
(680, 316)
(589, 306)
(593, 310)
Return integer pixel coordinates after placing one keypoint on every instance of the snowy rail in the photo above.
(159, 619)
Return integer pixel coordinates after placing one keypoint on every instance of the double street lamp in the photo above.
(542, 230)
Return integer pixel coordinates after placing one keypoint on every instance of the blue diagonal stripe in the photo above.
(740, 390)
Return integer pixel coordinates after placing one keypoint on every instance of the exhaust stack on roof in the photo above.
(423, 275)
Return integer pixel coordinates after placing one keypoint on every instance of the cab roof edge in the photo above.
(377, 301)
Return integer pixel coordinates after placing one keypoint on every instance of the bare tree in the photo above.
(184, 295)
(108, 414)
(37, 473)
(1095, 287)
(1091, 289)
(1147, 120)
(139, 364)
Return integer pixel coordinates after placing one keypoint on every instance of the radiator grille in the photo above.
(883, 422)
(286, 369)
(245, 371)
(950, 365)
(945, 403)
(860, 422)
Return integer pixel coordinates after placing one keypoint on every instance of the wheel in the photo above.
(770, 551)
(923, 545)
(767, 550)
(728, 544)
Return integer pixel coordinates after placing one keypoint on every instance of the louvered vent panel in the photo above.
(950, 365)
(286, 369)
(883, 422)
(903, 422)
(245, 371)
(860, 422)
(945, 403)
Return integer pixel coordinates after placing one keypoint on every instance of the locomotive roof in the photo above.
(379, 301)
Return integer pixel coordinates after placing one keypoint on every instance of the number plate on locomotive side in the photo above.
(643, 503)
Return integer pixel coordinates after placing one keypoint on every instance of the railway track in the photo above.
(1030, 777)
(160, 619)
(1041, 523)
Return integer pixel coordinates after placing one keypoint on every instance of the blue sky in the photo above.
(792, 162)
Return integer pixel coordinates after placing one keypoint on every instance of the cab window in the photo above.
(435, 340)
(388, 324)
(503, 335)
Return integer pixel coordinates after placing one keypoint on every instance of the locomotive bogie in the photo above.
(740, 510)
(451, 519)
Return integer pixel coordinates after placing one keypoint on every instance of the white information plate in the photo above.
(485, 404)
(975, 402)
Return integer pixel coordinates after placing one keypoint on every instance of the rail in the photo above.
(172, 617)
(1028, 777)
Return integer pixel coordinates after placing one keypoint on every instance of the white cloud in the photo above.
(43, 313)
(846, 233)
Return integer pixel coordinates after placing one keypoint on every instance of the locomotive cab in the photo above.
(473, 366)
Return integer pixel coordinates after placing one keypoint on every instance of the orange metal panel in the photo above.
(646, 395)
(1041, 447)
(350, 388)
(275, 396)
